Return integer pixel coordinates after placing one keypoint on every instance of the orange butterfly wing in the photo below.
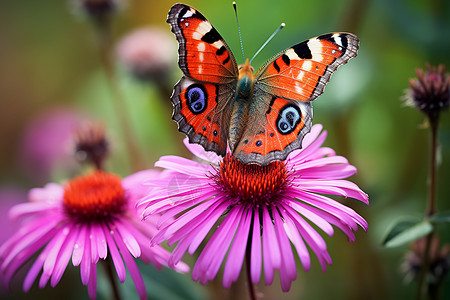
(302, 71)
(201, 99)
(203, 54)
(280, 110)
(196, 110)
(275, 128)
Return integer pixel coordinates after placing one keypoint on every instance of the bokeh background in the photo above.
(51, 79)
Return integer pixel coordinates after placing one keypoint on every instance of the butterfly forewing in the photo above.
(203, 54)
(302, 71)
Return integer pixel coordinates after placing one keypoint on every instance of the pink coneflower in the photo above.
(263, 210)
(91, 217)
(148, 53)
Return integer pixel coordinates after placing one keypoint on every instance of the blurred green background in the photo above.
(50, 69)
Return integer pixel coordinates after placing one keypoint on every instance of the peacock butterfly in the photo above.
(260, 116)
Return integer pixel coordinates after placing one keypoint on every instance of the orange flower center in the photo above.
(252, 184)
(94, 196)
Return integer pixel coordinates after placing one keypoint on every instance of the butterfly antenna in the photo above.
(268, 40)
(239, 29)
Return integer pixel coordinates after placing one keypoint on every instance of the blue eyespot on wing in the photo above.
(199, 111)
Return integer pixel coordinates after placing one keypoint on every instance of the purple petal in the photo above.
(59, 239)
(287, 257)
(10, 269)
(312, 135)
(331, 206)
(78, 248)
(179, 251)
(128, 238)
(200, 152)
(196, 236)
(117, 260)
(322, 162)
(32, 209)
(319, 221)
(336, 187)
(320, 153)
(182, 165)
(297, 240)
(271, 257)
(93, 240)
(313, 239)
(174, 226)
(33, 272)
(255, 259)
(306, 229)
(158, 205)
(64, 256)
(44, 254)
(311, 143)
(237, 251)
(51, 193)
(330, 218)
(30, 235)
(169, 215)
(132, 267)
(102, 247)
(85, 266)
(134, 182)
(204, 226)
(148, 253)
(224, 244)
(330, 172)
(157, 255)
(44, 280)
(211, 258)
(92, 283)
(179, 227)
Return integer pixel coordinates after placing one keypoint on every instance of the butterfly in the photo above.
(261, 116)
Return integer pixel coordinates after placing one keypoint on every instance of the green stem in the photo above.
(105, 48)
(109, 271)
(251, 287)
(431, 206)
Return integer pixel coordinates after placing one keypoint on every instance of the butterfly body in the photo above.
(261, 116)
(241, 104)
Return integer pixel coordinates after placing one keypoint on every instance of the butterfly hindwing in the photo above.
(203, 54)
(276, 127)
(198, 110)
(302, 71)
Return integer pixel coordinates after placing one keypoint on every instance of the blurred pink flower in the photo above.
(148, 53)
(45, 144)
(87, 219)
(265, 210)
(9, 196)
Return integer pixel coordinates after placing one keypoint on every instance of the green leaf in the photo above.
(160, 285)
(406, 231)
(442, 217)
